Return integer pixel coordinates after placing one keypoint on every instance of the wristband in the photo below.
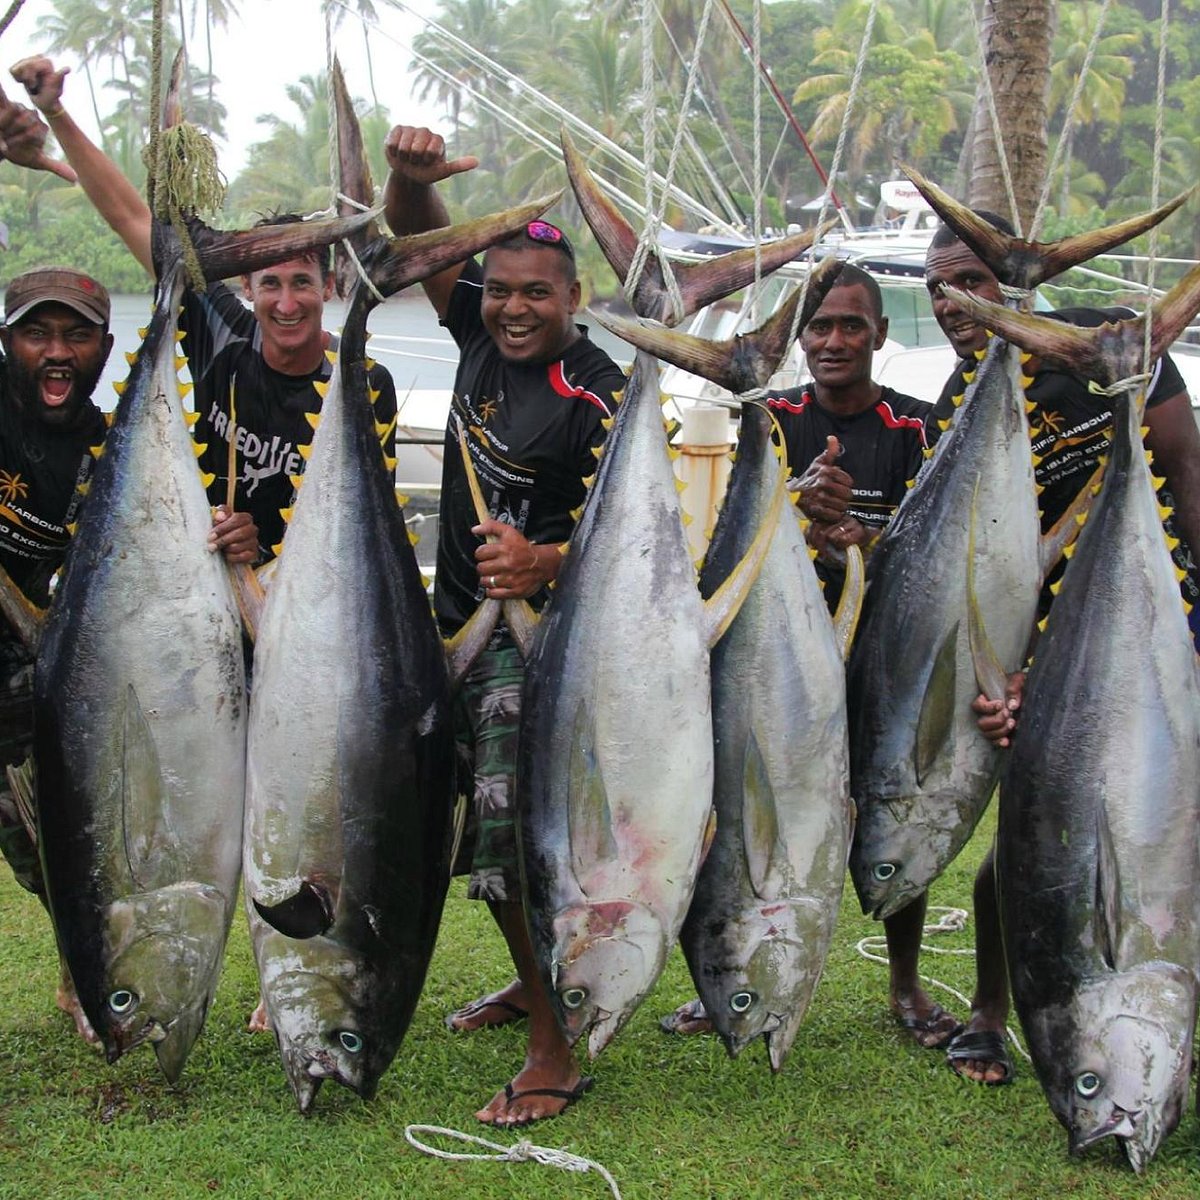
(54, 113)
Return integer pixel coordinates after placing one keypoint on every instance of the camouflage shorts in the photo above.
(16, 743)
(487, 716)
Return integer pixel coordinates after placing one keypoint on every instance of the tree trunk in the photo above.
(1017, 37)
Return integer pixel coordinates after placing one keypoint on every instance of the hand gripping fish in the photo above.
(139, 695)
(951, 604)
(349, 790)
(1097, 852)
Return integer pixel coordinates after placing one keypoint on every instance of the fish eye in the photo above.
(1088, 1084)
(122, 1001)
(741, 1002)
(573, 998)
(350, 1041)
(884, 871)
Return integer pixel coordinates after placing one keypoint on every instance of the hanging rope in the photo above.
(997, 133)
(331, 104)
(522, 1151)
(1156, 174)
(1064, 138)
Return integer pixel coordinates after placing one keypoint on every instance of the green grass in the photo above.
(859, 1110)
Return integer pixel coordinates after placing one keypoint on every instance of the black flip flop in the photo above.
(517, 1013)
(981, 1045)
(935, 1022)
(570, 1095)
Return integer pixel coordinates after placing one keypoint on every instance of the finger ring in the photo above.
(493, 583)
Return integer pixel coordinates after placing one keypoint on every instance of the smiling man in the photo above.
(256, 371)
(532, 392)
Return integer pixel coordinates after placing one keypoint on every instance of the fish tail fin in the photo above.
(739, 364)
(699, 283)
(1026, 264)
(356, 190)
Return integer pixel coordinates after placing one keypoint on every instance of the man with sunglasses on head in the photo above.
(531, 393)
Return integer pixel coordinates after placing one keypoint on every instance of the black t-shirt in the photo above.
(882, 450)
(41, 469)
(223, 344)
(530, 428)
(1075, 425)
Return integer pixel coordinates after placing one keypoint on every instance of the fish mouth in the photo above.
(1124, 1125)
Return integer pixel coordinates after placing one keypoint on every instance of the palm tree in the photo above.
(73, 27)
(335, 13)
(1102, 96)
(1017, 36)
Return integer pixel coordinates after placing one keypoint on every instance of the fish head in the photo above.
(894, 856)
(162, 953)
(607, 957)
(764, 989)
(1125, 1060)
(320, 998)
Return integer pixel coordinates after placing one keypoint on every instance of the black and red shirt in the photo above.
(531, 428)
(882, 450)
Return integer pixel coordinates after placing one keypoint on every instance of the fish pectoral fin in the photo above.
(725, 602)
(250, 596)
(937, 707)
(522, 623)
(1066, 529)
(589, 817)
(306, 913)
(458, 828)
(26, 618)
(1107, 907)
(23, 785)
(760, 822)
(151, 849)
(849, 608)
(464, 647)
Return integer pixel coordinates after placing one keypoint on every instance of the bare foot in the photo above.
(68, 1001)
(931, 1026)
(259, 1021)
(687, 1019)
(533, 1096)
(500, 1008)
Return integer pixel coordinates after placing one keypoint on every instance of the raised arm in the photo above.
(417, 158)
(1174, 441)
(114, 197)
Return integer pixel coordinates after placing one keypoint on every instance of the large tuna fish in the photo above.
(140, 705)
(616, 760)
(1097, 851)
(349, 788)
(767, 897)
(951, 605)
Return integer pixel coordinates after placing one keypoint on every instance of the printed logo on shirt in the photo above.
(260, 459)
(12, 487)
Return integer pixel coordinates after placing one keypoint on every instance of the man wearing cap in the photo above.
(531, 393)
(56, 341)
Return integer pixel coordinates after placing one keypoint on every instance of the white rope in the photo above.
(952, 920)
(997, 133)
(855, 82)
(522, 1151)
(362, 274)
(1141, 379)
(1064, 138)
(1156, 175)
(656, 214)
(331, 103)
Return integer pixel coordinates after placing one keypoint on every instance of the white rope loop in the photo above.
(522, 1151)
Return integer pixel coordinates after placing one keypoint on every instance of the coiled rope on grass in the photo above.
(522, 1151)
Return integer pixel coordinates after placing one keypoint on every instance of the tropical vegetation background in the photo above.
(917, 103)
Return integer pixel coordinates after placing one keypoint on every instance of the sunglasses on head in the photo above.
(549, 235)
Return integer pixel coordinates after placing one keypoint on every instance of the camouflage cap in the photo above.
(56, 285)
